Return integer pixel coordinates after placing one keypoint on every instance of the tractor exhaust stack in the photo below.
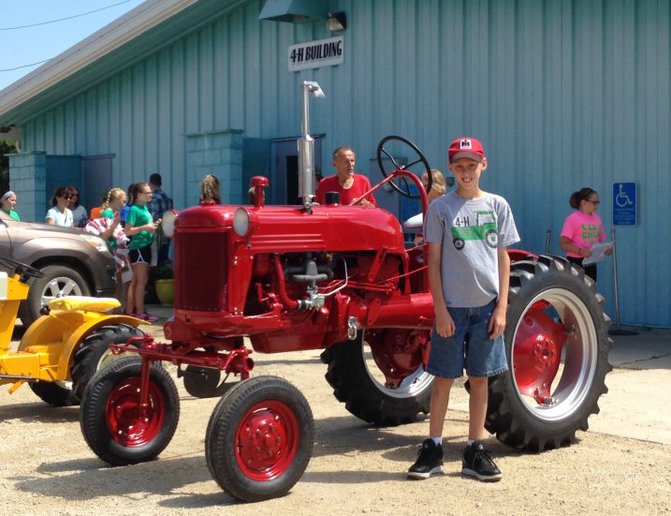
(306, 145)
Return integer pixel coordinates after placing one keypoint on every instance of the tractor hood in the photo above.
(294, 229)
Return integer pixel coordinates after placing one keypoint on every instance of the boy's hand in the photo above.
(444, 323)
(497, 323)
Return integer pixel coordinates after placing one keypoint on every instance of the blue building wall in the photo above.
(564, 94)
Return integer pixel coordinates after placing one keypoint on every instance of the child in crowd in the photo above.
(108, 226)
(209, 190)
(582, 229)
(141, 229)
(8, 203)
(438, 184)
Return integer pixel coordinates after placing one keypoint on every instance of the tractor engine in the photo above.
(293, 277)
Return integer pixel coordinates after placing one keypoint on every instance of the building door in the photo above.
(97, 179)
(284, 181)
(62, 171)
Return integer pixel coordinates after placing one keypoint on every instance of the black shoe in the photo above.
(429, 461)
(478, 463)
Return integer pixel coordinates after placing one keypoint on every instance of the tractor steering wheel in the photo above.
(386, 150)
(23, 270)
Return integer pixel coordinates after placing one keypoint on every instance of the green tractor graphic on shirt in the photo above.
(485, 229)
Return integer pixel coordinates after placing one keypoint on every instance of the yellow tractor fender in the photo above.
(70, 348)
(62, 331)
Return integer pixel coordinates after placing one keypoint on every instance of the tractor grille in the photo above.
(201, 271)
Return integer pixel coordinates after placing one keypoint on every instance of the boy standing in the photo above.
(468, 231)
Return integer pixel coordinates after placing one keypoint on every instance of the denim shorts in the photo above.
(469, 348)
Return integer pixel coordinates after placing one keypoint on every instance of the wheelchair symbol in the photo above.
(622, 198)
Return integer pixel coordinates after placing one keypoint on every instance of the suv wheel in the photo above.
(58, 281)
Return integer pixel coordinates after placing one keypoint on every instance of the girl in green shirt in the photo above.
(140, 228)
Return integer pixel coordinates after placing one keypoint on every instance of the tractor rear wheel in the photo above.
(116, 425)
(379, 375)
(557, 347)
(259, 439)
(94, 352)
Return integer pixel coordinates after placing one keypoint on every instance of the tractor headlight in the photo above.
(241, 222)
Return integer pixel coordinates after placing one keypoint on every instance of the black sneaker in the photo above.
(429, 461)
(478, 463)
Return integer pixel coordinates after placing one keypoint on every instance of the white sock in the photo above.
(438, 440)
(469, 442)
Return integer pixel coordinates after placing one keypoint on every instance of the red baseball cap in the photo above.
(466, 147)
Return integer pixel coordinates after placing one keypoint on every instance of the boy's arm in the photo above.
(497, 324)
(444, 322)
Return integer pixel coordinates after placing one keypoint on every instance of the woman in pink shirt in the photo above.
(582, 228)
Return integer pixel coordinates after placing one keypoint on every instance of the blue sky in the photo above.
(22, 46)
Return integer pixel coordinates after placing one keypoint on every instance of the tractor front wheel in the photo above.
(117, 425)
(379, 375)
(557, 347)
(259, 439)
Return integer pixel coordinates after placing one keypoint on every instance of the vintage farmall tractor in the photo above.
(60, 352)
(342, 279)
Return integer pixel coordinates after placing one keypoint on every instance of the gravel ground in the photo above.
(47, 468)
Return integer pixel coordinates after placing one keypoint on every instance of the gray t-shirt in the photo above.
(470, 232)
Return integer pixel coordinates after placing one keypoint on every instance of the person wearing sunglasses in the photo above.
(582, 229)
(59, 214)
(79, 215)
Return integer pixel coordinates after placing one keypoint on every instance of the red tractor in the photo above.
(342, 279)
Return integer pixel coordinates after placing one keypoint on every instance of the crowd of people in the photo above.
(127, 220)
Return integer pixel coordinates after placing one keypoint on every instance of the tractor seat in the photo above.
(84, 303)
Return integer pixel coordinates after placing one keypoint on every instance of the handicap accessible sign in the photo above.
(624, 204)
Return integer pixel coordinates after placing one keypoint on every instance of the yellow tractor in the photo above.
(60, 352)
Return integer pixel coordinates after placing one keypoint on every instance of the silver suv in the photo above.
(73, 262)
